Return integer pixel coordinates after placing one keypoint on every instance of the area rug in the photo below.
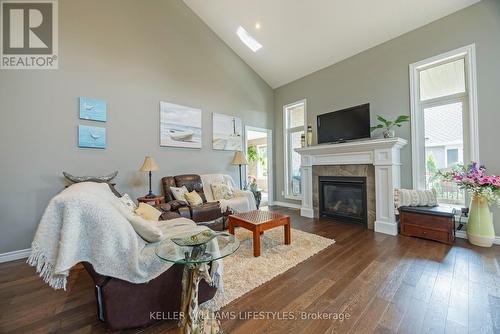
(243, 272)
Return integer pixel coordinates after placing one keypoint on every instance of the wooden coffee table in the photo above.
(257, 222)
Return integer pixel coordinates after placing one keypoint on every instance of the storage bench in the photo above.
(434, 223)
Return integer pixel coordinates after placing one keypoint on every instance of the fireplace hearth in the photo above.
(343, 198)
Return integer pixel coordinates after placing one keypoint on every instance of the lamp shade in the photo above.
(239, 159)
(149, 165)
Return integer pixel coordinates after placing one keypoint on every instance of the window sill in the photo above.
(295, 198)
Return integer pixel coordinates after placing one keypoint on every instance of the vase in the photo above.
(388, 133)
(480, 231)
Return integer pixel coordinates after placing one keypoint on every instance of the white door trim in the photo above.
(270, 157)
(286, 180)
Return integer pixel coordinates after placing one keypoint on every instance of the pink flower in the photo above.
(484, 180)
(496, 181)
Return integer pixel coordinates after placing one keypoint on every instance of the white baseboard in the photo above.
(309, 213)
(463, 235)
(287, 205)
(386, 228)
(15, 255)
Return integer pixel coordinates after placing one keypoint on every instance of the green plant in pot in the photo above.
(484, 190)
(388, 125)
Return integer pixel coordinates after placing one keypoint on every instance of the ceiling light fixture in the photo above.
(248, 40)
(257, 25)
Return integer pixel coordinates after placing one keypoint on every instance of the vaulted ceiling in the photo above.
(299, 37)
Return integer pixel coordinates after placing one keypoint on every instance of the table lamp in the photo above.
(239, 159)
(149, 165)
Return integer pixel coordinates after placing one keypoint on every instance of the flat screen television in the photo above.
(346, 124)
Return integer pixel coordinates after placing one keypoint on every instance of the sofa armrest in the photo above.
(206, 212)
(241, 193)
(185, 212)
(176, 204)
(164, 207)
(250, 197)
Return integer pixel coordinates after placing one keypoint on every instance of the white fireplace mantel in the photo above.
(384, 154)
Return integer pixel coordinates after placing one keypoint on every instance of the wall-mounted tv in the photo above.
(346, 124)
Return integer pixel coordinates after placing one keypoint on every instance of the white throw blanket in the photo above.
(83, 224)
(243, 200)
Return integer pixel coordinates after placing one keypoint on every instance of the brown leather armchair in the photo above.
(204, 214)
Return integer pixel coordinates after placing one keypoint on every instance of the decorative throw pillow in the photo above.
(407, 197)
(193, 198)
(148, 212)
(146, 229)
(179, 192)
(129, 203)
(221, 191)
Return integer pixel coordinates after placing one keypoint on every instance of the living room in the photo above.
(249, 166)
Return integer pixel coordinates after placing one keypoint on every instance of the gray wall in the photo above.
(380, 76)
(131, 54)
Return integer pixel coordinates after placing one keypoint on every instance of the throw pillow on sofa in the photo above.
(148, 230)
(221, 191)
(408, 197)
(179, 192)
(129, 203)
(193, 198)
(148, 212)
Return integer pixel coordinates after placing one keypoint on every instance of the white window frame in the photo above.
(471, 142)
(286, 131)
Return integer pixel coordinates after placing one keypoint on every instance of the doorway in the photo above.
(259, 171)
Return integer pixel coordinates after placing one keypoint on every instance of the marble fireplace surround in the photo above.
(367, 171)
(383, 154)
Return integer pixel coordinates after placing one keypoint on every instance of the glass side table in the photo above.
(195, 258)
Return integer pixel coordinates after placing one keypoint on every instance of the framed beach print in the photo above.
(91, 137)
(180, 126)
(227, 133)
(93, 110)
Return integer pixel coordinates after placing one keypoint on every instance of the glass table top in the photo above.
(222, 245)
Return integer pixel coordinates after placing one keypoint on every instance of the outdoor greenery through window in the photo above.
(443, 103)
(294, 122)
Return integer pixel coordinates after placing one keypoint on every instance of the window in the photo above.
(444, 121)
(294, 125)
(452, 157)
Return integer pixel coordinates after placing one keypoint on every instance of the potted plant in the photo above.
(387, 125)
(484, 189)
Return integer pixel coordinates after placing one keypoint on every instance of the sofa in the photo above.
(122, 304)
(212, 212)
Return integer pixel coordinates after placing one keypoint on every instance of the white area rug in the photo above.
(243, 272)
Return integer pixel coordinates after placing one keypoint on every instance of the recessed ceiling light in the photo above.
(248, 40)
(257, 25)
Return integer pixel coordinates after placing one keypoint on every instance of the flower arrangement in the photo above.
(251, 183)
(473, 178)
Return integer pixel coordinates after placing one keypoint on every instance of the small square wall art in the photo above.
(93, 110)
(91, 137)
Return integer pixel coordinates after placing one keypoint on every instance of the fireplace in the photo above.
(343, 198)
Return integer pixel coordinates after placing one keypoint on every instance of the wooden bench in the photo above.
(433, 223)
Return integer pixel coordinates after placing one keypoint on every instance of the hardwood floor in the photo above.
(379, 283)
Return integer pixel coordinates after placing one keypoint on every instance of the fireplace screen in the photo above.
(343, 198)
